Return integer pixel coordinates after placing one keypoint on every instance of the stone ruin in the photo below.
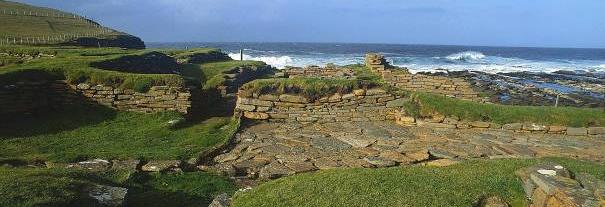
(313, 71)
(402, 78)
(552, 185)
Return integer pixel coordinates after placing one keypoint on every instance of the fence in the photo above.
(51, 38)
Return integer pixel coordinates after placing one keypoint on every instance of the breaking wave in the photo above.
(275, 61)
(466, 56)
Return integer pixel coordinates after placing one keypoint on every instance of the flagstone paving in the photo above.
(268, 150)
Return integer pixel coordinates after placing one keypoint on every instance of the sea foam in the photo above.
(466, 56)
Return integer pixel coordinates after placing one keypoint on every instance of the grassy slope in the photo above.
(502, 114)
(211, 74)
(457, 185)
(83, 132)
(54, 187)
(34, 26)
(73, 64)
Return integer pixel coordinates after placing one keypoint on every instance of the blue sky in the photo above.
(546, 23)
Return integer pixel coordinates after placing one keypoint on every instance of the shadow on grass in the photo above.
(48, 121)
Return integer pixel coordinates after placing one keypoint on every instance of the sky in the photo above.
(529, 23)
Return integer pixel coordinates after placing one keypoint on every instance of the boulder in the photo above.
(221, 200)
(130, 165)
(380, 162)
(359, 92)
(108, 196)
(161, 165)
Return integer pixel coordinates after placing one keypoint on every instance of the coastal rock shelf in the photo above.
(361, 105)
(453, 87)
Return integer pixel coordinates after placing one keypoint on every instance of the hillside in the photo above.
(31, 25)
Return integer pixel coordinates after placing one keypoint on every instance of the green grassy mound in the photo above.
(74, 65)
(148, 63)
(201, 55)
(212, 74)
(424, 105)
(312, 88)
(50, 26)
(83, 132)
(458, 185)
(56, 187)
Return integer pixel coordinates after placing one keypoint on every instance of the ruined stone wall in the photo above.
(26, 97)
(454, 87)
(318, 72)
(361, 105)
(158, 98)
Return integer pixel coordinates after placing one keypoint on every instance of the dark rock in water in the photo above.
(108, 196)
(221, 200)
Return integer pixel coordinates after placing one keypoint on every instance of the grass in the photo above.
(312, 88)
(212, 74)
(61, 187)
(39, 26)
(74, 65)
(457, 185)
(85, 132)
(425, 104)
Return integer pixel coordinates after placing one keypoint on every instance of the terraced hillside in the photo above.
(31, 25)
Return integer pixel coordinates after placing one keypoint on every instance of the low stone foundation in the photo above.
(26, 97)
(318, 72)
(158, 98)
(361, 105)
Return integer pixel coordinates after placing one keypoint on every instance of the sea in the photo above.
(417, 58)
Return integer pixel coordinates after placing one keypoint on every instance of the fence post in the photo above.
(557, 100)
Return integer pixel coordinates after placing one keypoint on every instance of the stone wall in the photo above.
(27, 97)
(361, 105)
(453, 87)
(319, 72)
(158, 98)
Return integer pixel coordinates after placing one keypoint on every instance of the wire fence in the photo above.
(52, 38)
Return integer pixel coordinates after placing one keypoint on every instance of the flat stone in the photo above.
(325, 163)
(245, 107)
(221, 200)
(249, 167)
(293, 98)
(557, 129)
(450, 121)
(397, 157)
(91, 165)
(329, 143)
(356, 141)
(573, 131)
(301, 167)
(535, 127)
(359, 92)
(375, 91)
(480, 124)
(161, 165)
(441, 163)
(436, 125)
(493, 201)
(108, 195)
(256, 115)
(596, 130)
(226, 157)
(274, 170)
(512, 126)
(418, 155)
(380, 162)
(356, 162)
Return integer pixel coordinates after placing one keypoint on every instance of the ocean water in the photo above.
(417, 58)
